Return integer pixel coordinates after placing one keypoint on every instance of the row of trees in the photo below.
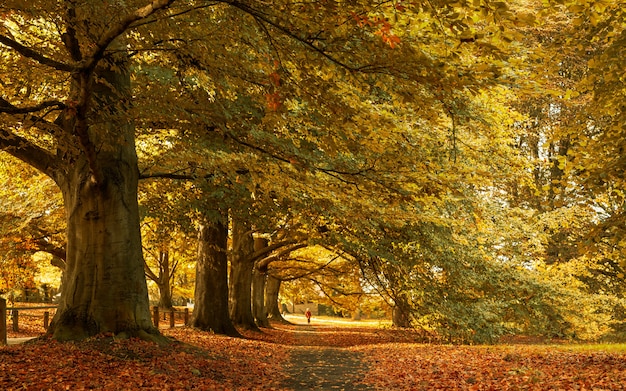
(465, 157)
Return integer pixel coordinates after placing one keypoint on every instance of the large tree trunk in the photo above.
(241, 266)
(211, 295)
(258, 298)
(259, 276)
(104, 287)
(272, 306)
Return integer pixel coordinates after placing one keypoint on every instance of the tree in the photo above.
(211, 310)
(88, 150)
(165, 252)
(272, 304)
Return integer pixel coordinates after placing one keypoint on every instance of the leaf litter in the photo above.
(303, 357)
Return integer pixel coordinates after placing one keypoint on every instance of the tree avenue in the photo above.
(398, 136)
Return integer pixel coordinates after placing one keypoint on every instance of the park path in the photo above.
(15, 341)
(314, 367)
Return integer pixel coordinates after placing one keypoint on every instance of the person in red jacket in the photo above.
(308, 315)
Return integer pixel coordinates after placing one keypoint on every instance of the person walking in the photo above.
(308, 315)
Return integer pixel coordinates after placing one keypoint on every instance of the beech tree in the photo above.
(87, 148)
(211, 311)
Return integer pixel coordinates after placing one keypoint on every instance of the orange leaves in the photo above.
(273, 99)
(390, 39)
(383, 359)
(205, 362)
(404, 367)
(383, 27)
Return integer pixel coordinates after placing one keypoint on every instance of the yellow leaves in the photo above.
(569, 94)
(525, 19)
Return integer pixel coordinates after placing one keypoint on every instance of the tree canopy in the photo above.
(463, 159)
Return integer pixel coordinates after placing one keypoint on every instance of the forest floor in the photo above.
(324, 355)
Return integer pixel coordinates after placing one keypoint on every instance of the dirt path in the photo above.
(314, 367)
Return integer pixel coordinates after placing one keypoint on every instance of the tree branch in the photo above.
(6, 107)
(255, 256)
(109, 36)
(264, 263)
(29, 153)
(257, 15)
(69, 37)
(34, 55)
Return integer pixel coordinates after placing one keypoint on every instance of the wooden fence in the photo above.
(156, 316)
(14, 313)
(15, 316)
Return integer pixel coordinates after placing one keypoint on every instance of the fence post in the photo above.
(3, 321)
(186, 316)
(16, 323)
(172, 319)
(155, 316)
(46, 320)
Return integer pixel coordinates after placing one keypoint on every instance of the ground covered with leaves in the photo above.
(319, 356)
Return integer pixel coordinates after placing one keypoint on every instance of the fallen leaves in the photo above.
(534, 367)
(370, 358)
(200, 361)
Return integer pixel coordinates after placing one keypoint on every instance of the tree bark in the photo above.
(241, 266)
(259, 276)
(272, 306)
(401, 313)
(104, 286)
(165, 279)
(210, 311)
(258, 298)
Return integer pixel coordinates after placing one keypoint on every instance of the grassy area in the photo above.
(594, 347)
(335, 321)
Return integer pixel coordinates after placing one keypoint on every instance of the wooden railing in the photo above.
(156, 316)
(15, 318)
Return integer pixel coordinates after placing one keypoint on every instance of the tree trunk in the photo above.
(210, 311)
(258, 298)
(401, 313)
(272, 307)
(241, 266)
(165, 295)
(163, 281)
(259, 277)
(104, 287)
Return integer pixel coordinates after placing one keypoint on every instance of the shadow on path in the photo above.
(324, 368)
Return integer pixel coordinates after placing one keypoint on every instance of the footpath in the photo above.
(15, 341)
(313, 367)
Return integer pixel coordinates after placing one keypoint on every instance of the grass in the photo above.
(594, 347)
(340, 322)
